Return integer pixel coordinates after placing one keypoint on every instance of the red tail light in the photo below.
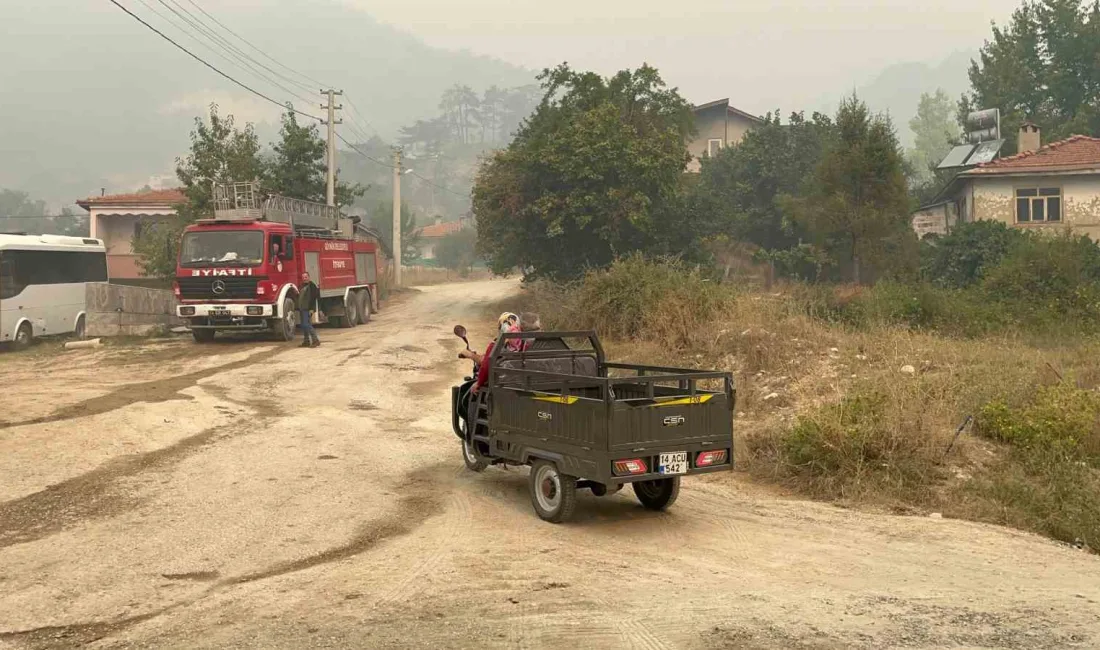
(708, 458)
(176, 288)
(631, 466)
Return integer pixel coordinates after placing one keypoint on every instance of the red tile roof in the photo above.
(1079, 152)
(438, 230)
(156, 197)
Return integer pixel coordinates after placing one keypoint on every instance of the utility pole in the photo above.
(330, 193)
(397, 216)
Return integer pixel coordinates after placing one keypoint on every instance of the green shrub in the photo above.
(1061, 419)
(867, 442)
(961, 258)
(662, 300)
(1049, 281)
(1043, 492)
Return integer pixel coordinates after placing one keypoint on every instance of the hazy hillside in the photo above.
(898, 87)
(90, 99)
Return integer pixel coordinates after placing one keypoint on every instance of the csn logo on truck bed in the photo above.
(207, 273)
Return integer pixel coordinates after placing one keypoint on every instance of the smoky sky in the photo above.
(762, 54)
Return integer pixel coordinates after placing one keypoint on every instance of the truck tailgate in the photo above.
(703, 418)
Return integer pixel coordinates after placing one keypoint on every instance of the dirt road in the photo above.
(249, 494)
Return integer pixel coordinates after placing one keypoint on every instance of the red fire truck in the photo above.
(240, 270)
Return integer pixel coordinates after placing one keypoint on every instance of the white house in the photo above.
(118, 218)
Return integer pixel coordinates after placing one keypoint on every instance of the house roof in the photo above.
(729, 109)
(1076, 153)
(166, 198)
(438, 230)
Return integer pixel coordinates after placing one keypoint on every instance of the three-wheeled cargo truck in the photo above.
(557, 405)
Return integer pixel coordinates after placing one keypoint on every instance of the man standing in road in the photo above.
(308, 297)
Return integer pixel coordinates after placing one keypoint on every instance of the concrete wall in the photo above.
(117, 310)
(934, 220)
(995, 199)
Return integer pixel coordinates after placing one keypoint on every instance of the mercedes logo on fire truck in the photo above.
(218, 286)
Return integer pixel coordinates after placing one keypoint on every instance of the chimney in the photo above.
(1029, 138)
(102, 191)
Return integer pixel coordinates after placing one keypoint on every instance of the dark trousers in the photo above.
(308, 333)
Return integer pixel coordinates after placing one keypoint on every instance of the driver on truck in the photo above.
(507, 322)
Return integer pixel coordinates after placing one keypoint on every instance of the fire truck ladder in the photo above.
(245, 202)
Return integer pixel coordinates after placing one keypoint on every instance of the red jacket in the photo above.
(483, 371)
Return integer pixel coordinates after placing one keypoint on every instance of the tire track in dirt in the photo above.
(158, 390)
(422, 502)
(412, 510)
(97, 494)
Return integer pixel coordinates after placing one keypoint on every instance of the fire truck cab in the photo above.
(240, 271)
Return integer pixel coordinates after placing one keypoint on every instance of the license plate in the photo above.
(673, 463)
(219, 312)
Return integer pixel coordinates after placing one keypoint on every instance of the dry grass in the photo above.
(862, 416)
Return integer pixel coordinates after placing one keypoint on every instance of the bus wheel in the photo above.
(81, 328)
(23, 337)
(203, 336)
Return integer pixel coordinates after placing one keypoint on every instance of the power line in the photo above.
(212, 35)
(390, 166)
(356, 150)
(355, 109)
(212, 67)
(249, 44)
(235, 62)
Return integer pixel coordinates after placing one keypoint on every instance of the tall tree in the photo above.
(858, 209)
(298, 167)
(935, 131)
(586, 176)
(381, 220)
(744, 186)
(461, 106)
(458, 251)
(1043, 66)
(221, 153)
(20, 213)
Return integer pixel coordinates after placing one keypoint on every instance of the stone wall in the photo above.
(119, 310)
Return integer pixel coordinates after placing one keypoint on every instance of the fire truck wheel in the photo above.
(364, 307)
(351, 312)
(284, 327)
(203, 336)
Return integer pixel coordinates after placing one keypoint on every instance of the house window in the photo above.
(1039, 205)
(714, 145)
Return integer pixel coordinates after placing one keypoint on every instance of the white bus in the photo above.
(42, 284)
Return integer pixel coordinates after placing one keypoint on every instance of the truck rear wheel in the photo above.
(351, 311)
(284, 327)
(657, 494)
(475, 462)
(553, 494)
(203, 336)
(364, 307)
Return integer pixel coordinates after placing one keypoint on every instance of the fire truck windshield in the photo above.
(222, 248)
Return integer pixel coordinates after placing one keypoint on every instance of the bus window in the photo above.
(30, 267)
(9, 288)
